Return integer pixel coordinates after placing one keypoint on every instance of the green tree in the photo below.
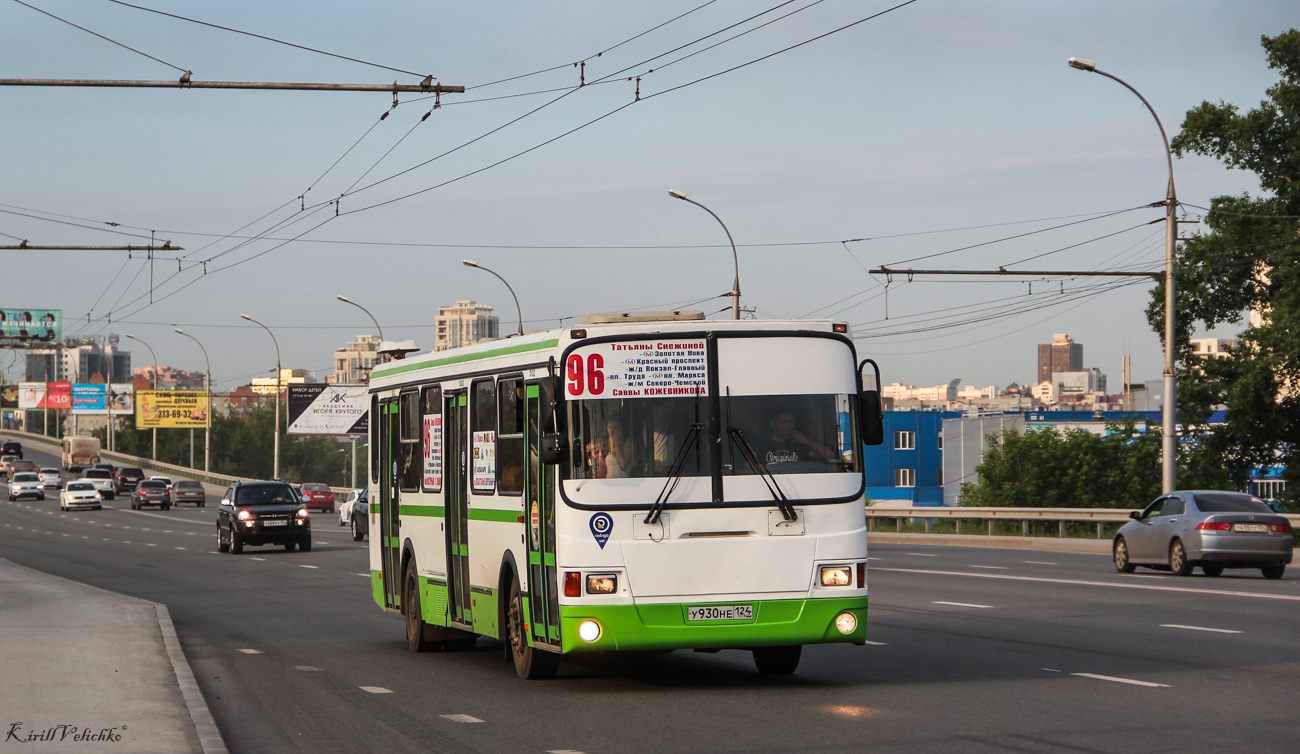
(1248, 261)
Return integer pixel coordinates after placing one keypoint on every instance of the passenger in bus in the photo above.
(621, 458)
(782, 445)
(594, 466)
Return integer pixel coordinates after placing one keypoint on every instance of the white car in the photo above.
(165, 480)
(51, 478)
(103, 481)
(80, 494)
(26, 484)
(345, 508)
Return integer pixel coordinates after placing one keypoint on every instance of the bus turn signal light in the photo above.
(572, 584)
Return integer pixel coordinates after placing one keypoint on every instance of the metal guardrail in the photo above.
(929, 514)
(221, 480)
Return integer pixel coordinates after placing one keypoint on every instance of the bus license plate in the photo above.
(1253, 528)
(720, 612)
(275, 523)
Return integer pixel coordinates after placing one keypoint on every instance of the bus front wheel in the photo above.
(531, 663)
(414, 618)
(777, 660)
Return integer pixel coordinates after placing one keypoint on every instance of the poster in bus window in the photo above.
(658, 368)
(485, 461)
(433, 452)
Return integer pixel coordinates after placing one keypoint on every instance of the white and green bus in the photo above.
(648, 481)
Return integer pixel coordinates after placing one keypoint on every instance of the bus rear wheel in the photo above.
(415, 640)
(777, 660)
(531, 663)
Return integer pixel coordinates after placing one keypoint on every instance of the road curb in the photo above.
(204, 725)
(1090, 546)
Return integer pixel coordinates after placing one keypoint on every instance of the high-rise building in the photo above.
(1061, 355)
(464, 324)
(80, 360)
(353, 362)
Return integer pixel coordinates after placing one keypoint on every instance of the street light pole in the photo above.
(735, 285)
(472, 263)
(347, 300)
(207, 431)
(155, 388)
(275, 468)
(1169, 416)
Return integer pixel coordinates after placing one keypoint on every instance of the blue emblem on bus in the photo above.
(601, 525)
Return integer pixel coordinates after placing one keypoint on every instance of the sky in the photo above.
(933, 132)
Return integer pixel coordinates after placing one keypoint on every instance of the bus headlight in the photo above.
(836, 576)
(602, 584)
(589, 630)
(845, 623)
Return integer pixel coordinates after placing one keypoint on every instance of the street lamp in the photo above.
(155, 387)
(1169, 417)
(207, 431)
(735, 285)
(472, 263)
(275, 468)
(346, 300)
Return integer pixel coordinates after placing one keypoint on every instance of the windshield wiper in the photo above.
(674, 474)
(748, 454)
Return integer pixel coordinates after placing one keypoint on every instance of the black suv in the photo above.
(262, 513)
(127, 478)
(11, 448)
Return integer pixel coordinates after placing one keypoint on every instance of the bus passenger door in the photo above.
(455, 477)
(389, 534)
(539, 490)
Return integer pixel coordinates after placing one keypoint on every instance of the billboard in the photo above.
(171, 408)
(319, 409)
(58, 395)
(31, 395)
(94, 398)
(31, 325)
(9, 396)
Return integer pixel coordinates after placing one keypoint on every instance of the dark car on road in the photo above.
(262, 513)
(127, 478)
(150, 492)
(189, 491)
(1206, 528)
(11, 448)
(360, 517)
(318, 496)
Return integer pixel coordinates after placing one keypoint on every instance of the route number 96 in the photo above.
(586, 374)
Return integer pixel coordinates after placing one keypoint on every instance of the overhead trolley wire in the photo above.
(101, 36)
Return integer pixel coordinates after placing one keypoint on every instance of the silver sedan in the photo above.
(1213, 530)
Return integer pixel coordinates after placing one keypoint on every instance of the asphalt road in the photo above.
(972, 650)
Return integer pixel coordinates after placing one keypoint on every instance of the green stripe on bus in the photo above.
(488, 514)
(524, 348)
(422, 510)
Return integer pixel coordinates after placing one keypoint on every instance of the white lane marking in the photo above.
(563, 751)
(1129, 681)
(1200, 628)
(992, 568)
(252, 651)
(213, 552)
(876, 643)
(962, 604)
(875, 558)
(127, 542)
(83, 536)
(376, 689)
(307, 668)
(300, 565)
(362, 574)
(180, 548)
(922, 554)
(67, 535)
(1053, 670)
(458, 718)
(1038, 562)
(1112, 584)
(150, 544)
(261, 559)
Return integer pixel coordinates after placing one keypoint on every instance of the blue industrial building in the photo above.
(908, 465)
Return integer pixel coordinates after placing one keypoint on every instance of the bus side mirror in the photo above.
(555, 449)
(871, 418)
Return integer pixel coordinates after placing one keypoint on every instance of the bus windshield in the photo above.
(632, 438)
(788, 434)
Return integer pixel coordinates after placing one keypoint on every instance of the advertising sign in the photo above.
(433, 453)
(638, 369)
(9, 396)
(121, 398)
(58, 395)
(171, 408)
(31, 325)
(94, 398)
(31, 395)
(319, 409)
(485, 461)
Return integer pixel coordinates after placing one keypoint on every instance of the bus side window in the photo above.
(510, 436)
(483, 436)
(374, 439)
(412, 451)
(431, 417)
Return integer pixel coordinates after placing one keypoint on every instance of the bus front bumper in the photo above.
(666, 626)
